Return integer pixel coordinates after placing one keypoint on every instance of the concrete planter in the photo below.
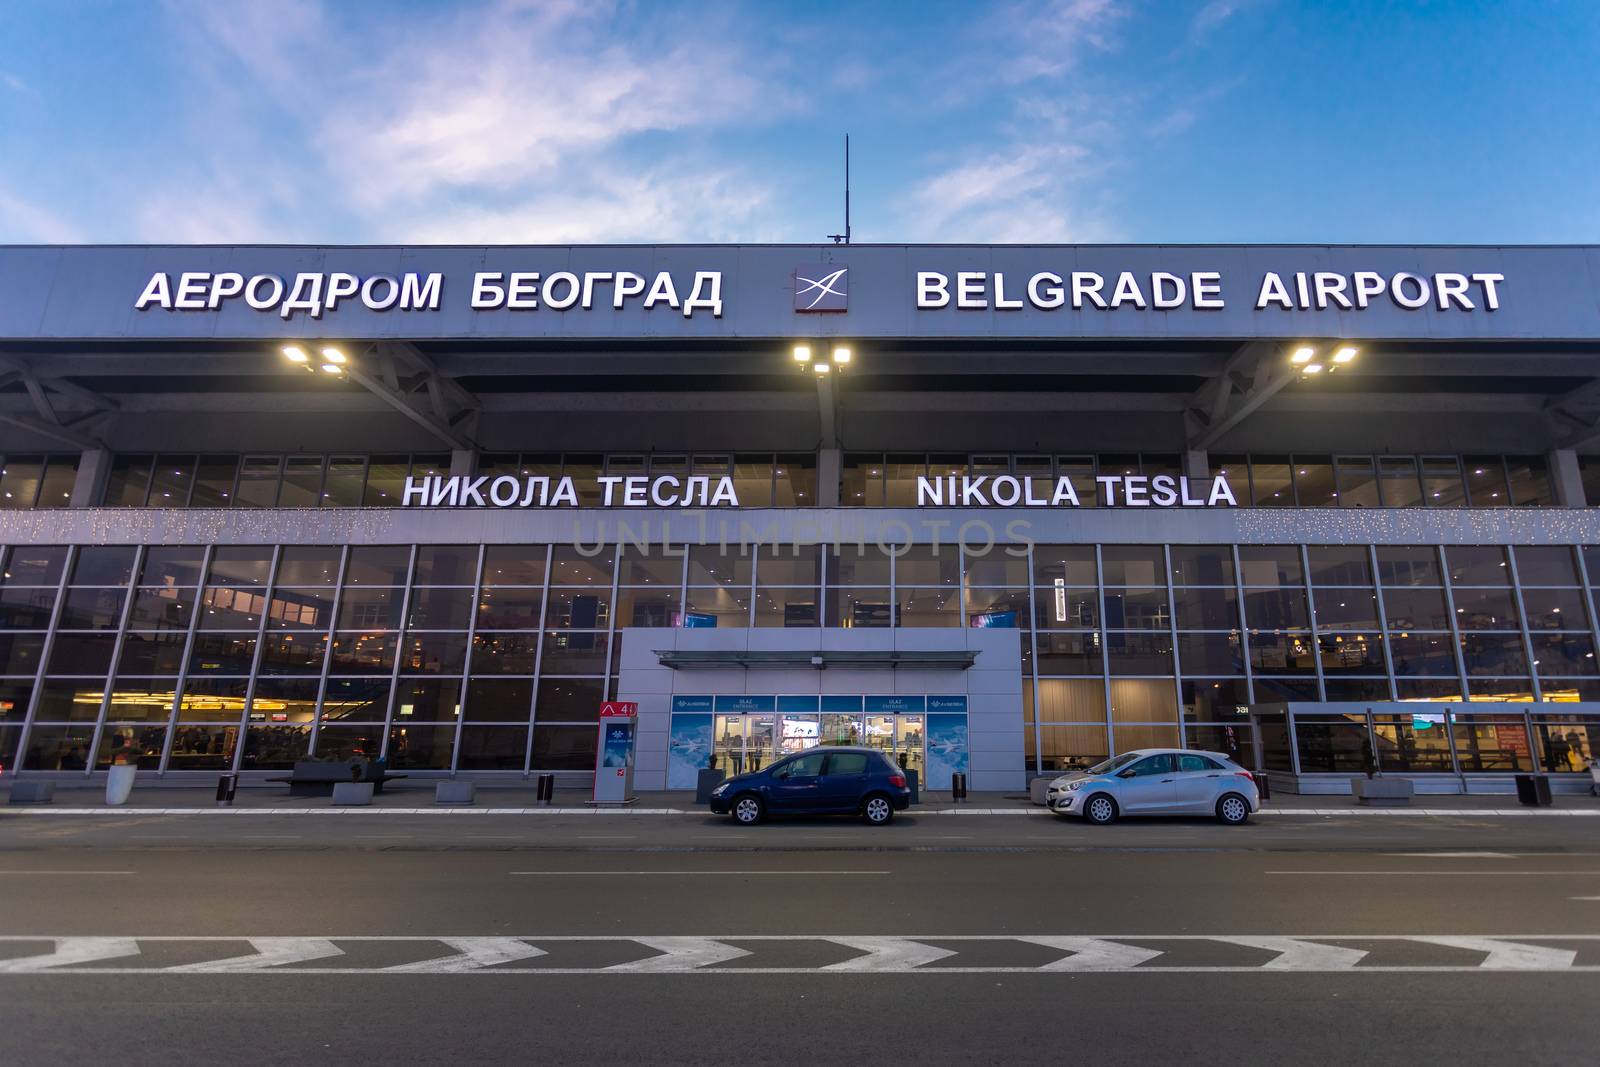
(32, 792)
(455, 793)
(352, 793)
(119, 783)
(1382, 792)
(705, 782)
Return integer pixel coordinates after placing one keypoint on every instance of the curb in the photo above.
(1277, 812)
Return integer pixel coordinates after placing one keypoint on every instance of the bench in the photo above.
(316, 778)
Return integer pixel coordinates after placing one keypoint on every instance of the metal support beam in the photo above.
(1247, 379)
(53, 431)
(436, 426)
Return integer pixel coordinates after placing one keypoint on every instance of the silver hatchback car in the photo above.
(1158, 781)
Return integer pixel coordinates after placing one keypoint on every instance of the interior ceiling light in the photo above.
(802, 353)
(295, 354)
(1303, 354)
(1344, 353)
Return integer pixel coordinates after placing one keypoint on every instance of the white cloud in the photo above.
(509, 115)
(1029, 193)
(27, 222)
(607, 206)
(16, 84)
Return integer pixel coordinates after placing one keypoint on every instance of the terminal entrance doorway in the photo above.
(750, 742)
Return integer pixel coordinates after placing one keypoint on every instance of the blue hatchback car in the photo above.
(827, 780)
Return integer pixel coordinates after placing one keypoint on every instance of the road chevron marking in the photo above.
(1104, 954)
(1093, 953)
(471, 953)
(1503, 955)
(1295, 954)
(679, 954)
(269, 952)
(71, 951)
(887, 954)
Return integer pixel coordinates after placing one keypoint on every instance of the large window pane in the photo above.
(510, 607)
(1069, 653)
(1136, 653)
(1313, 482)
(1358, 484)
(1442, 484)
(1481, 565)
(1202, 565)
(378, 565)
(1339, 565)
(1133, 565)
(446, 565)
(103, 565)
(514, 652)
(1401, 486)
(1486, 481)
(169, 485)
(1422, 654)
(513, 565)
(499, 700)
(1408, 565)
(1270, 565)
(1346, 609)
(128, 484)
(1210, 653)
(1069, 564)
(796, 479)
(1551, 609)
(1415, 608)
(1546, 565)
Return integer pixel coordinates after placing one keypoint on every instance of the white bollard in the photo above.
(119, 783)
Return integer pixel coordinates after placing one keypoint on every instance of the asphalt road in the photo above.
(654, 941)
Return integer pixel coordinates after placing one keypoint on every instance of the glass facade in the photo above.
(496, 657)
(766, 479)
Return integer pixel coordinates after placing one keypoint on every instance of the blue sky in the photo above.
(1072, 121)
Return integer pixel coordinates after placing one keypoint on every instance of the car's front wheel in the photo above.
(1100, 809)
(1233, 810)
(877, 810)
(748, 810)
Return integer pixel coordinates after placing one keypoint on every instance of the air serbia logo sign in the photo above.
(820, 287)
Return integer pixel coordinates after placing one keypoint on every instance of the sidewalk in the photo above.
(417, 798)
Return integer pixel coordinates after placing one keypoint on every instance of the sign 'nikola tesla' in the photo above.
(1115, 490)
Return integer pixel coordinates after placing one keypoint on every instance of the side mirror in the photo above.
(1127, 774)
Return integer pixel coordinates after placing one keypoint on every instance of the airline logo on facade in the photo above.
(821, 288)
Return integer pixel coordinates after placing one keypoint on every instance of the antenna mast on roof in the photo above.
(844, 238)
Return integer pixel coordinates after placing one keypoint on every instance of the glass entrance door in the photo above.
(750, 742)
(908, 744)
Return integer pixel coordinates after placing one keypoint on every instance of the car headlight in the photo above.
(719, 790)
(1078, 784)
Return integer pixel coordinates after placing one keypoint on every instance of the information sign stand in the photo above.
(613, 770)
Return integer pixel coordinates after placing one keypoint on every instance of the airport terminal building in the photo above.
(998, 510)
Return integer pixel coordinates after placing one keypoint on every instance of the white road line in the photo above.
(471, 953)
(66, 872)
(886, 954)
(610, 874)
(269, 952)
(679, 954)
(1509, 955)
(1586, 898)
(1295, 954)
(1093, 953)
(1455, 855)
(1443, 873)
(73, 951)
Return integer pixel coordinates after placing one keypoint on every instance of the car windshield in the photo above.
(1113, 763)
